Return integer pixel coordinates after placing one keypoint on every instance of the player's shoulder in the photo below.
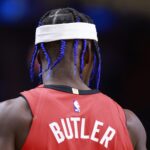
(110, 101)
(14, 113)
(105, 96)
(132, 120)
(14, 107)
(136, 130)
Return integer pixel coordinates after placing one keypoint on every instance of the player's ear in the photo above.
(88, 63)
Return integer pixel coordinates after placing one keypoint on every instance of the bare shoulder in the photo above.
(136, 130)
(14, 110)
(15, 120)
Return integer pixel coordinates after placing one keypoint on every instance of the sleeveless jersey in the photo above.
(75, 121)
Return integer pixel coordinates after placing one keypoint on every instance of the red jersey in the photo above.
(69, 119)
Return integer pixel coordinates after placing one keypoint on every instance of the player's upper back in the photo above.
(63, 120)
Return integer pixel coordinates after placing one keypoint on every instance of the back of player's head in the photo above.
(68, 15)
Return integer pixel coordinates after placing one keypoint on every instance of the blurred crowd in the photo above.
(124, 37)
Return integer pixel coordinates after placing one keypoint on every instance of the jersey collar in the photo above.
(69, 89)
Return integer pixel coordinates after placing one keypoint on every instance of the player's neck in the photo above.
(65, 78)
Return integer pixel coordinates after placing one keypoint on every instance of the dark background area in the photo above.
(124, 38)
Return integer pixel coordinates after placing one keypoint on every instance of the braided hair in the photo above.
(68, 15)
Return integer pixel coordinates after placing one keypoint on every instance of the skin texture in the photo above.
(136, 131)
(15, 121)
(64, 72)
(15, 114)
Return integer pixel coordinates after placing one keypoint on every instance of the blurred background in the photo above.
(124, 37)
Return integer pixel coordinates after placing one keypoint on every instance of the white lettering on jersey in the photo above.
(70, 134)
(56, 131)
(83, 136)
(75, 124)
(74, 127)
(108, 136)
(96, 130)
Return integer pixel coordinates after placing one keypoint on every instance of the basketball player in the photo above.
(67, 112)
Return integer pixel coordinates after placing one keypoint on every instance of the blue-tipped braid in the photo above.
(99, 64)
(40, 73)
(46, 56)
(83, 54)
(75, 47)
(75, 52)
(33, 63)
(62, 53)
(96, 71)
(94, 67)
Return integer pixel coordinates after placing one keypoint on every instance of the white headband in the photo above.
(65, 31)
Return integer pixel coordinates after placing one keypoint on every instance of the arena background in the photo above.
(124, 38)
